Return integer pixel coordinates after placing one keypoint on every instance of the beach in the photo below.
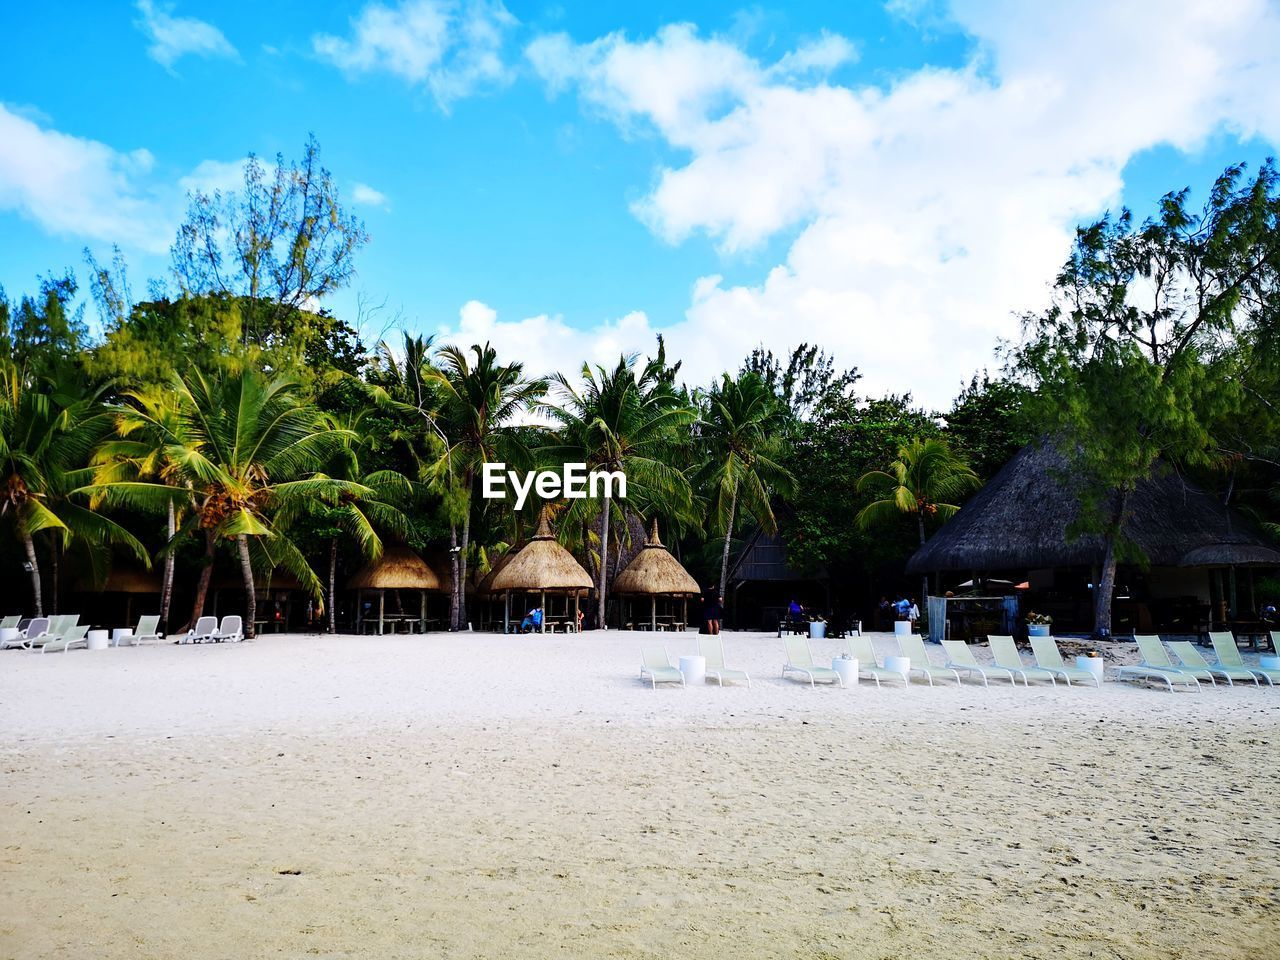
(475, 795)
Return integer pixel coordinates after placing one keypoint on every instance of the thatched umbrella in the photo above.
(654, 573)
(399, 568)
(541, 566)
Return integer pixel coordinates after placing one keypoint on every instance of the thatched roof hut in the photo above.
(1019, 520)
(542, 566)
(399, 568)
(655, 572)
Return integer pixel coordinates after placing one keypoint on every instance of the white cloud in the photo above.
(73, 186)
(365, 195)
(214, 176)
(929, 210)
(454, 47)
(174, 37)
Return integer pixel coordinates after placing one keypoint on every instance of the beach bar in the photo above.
(399, 570)
(655, 573)
(542, 566)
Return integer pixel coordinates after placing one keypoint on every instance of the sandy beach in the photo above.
(481, 796)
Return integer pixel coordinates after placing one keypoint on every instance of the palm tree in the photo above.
(622, 420)
(476, 409)
(742, 427)
(49, 427)
(925, 476)
(358, 516)
(239, 440)
(146, 426)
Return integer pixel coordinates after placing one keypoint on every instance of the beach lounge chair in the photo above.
(655, 666)
(960, 657)
(1156, 665)
(1224, 646)
(1193, 659)
(77, 636)
(205, 631)
(145, 632)
(1049, 657)
(58, 626)
(10, 623)
(912, 647)
(712, 649)
(862, 650)
(1275, 642)
(37, 626)
(1004, 654)
(800, 660)
(232, 629)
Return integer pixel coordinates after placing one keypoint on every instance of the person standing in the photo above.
(712, 610)
(913, 613)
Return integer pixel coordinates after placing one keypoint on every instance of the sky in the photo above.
(896, 182)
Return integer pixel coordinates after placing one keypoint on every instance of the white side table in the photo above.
(900, 665)
(8, 635)
(817, 629)
(122, 635)
(1095, 665)
(848, 670)
(694, 669)
(97, 639)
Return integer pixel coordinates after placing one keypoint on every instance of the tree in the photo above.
(809, 385)
(242, 440)
(476, 408)
(622, 420)
(283, 243)
(987, 423)
(49, 427)
(741, 427)
(920, 481)
(1132, 360)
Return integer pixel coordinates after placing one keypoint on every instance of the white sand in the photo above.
(485, 796)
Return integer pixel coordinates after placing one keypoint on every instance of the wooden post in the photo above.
(382, 612)
(653, 612)
(575, 611)
(684, 611)
(542, 605)
(422, 623)
(506, 612)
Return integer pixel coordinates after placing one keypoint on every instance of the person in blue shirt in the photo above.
(795, 611)
(532, 621)
(903, 609)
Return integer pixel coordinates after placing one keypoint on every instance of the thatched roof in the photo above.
(485, 586)
(399, 568)
(655, 572)
(1019, 521)
(542, 564)
(123, 579)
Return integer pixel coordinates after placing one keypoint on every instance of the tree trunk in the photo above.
(728, 540)
(166, 585)
(453, 572)
(604, 557)
(1105, 588)
(462, 567)
(202, 585)
(55, 573)
(333, 576)
(250, 594)
(924, 578)
(34, 564)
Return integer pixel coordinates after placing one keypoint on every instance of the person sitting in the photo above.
(795, 611)
(532, 622)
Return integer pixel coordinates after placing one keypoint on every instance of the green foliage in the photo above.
(988, 424)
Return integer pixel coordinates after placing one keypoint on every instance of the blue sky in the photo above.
(892, 181)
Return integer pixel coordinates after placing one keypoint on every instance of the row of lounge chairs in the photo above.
(1006, 663)
(62, 632)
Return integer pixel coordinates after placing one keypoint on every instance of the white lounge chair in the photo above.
(1161, 670)
(232, 629)
(77, 636)
(145, 632)
(912, 647)
(862, 650)
(712, 649)
(58, 626)
(37, 626)
(1004, 654)
(1155, 655)
(10, 623)
(205, 631)
(1224, 645)
(800, 660)
(1049, 657)
(960, 657)
(655, 666)
(1193, 659)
